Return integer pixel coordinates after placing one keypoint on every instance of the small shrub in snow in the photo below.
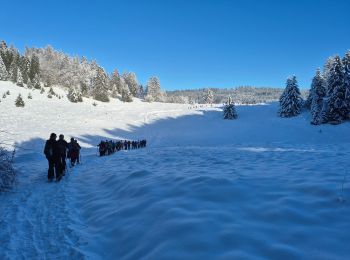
(94, 104)
(4, 95)
(49, 96)
(290, 100)
(51, 92)
(7, 172)
(8, 92)
(19, 101)
(42, 91)
(230, 110)
(30, 96)
(74, 96)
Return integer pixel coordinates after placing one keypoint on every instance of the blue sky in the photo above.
(188, 44)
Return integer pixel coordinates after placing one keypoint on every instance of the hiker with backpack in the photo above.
(63, 147)
(73, 151)
(53, 156)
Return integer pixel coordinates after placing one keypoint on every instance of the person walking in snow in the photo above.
(78, 148)
(52, 153)
(74, 149)
(63, 146)
(102, 148)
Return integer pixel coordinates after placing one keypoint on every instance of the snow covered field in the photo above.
(256, 187)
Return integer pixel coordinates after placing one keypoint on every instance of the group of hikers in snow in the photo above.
(56, 152)
(110, 147)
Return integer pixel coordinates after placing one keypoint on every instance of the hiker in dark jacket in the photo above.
(78, 148)
(52, 153)
(102, 148)
(73, 151)
(63, 146)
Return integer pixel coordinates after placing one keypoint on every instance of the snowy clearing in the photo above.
(256, 187)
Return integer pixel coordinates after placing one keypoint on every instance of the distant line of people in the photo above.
(56, 152)
(109, 147)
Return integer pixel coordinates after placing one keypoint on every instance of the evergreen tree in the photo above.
(7, 55)
(327, 67)
(316, 81)
(34, 68)
(14, 68)
(230, 110)
(131, 81)
(84, 89)
(100, 84)
(19, 101)
(24, 65)
(116, 85)
(316, 96)
(336, 93)
(29, 84)
(335, 75)
(208, 96)
(35, 82)
(3, 72)
(290, 100)
(126, 94)
(141, 92)
(346, 78)
(153, 90)
(19, 78)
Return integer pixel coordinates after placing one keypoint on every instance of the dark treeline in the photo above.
(240, 95)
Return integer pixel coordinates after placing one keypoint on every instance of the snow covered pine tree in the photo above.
(100, 84)
(3, 72)
(208, 96)
(153, 92)
(317, 93)
(290, 100)
(19, 101)
(74, 95)
(19, 78)
(230, 110)
(346, 79)
(337, 109)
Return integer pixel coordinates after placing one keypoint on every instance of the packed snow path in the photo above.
(256, 187)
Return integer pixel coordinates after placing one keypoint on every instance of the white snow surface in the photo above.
(259, 187)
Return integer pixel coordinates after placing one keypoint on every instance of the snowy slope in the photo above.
(257, 187)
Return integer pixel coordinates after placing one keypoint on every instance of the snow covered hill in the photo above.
(256, 187)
